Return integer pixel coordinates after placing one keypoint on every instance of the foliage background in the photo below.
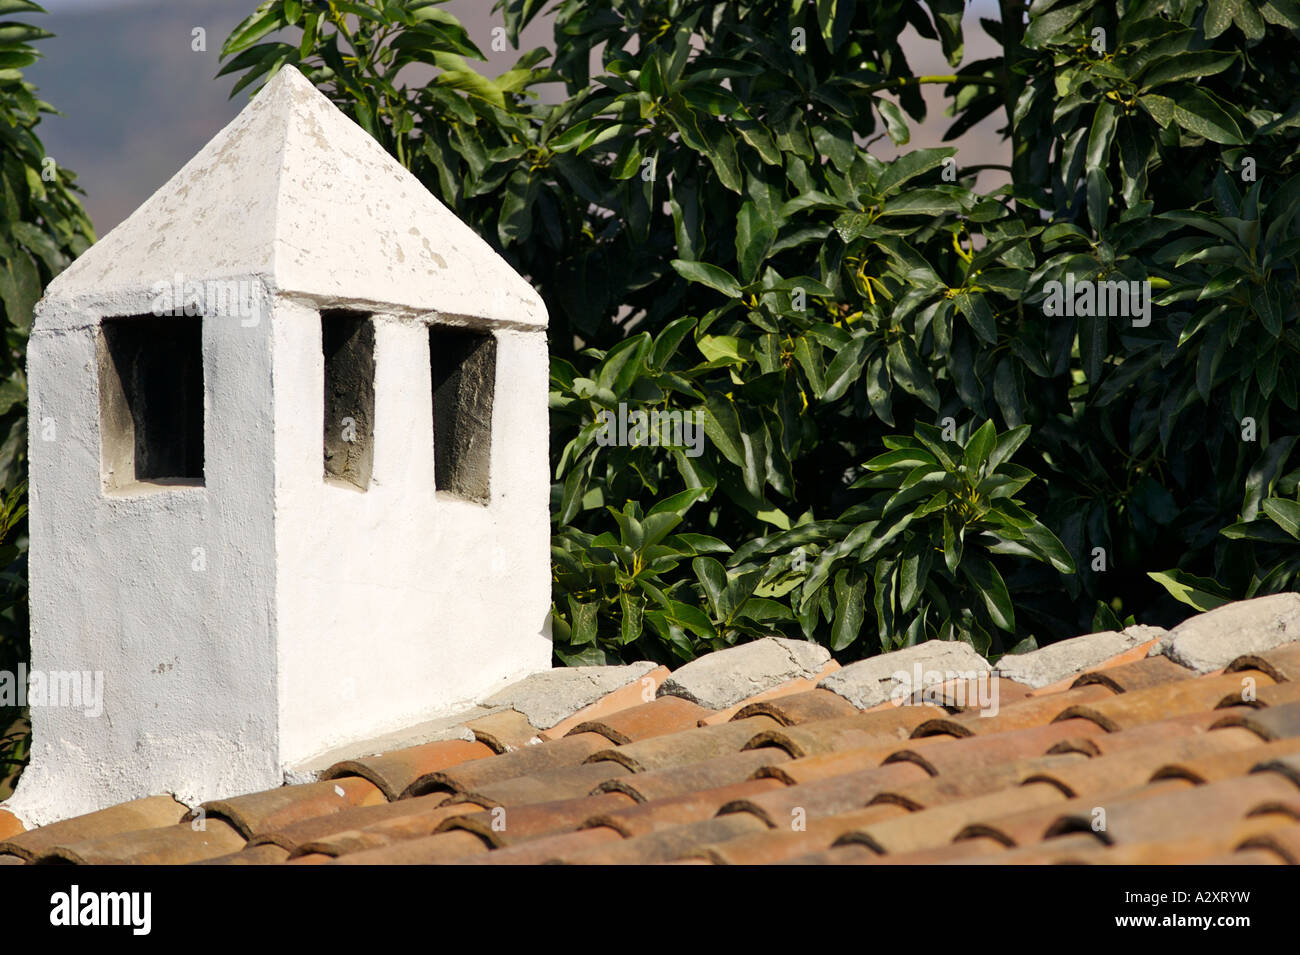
(42, 229)
(705, 218)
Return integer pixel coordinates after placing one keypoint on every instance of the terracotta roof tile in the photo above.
(150, 813)
(1136, 766)
(1283, 841)
(1281, 663)
(1138, 675)
(826, 797)
(1032, 711)
(10, 825)
(296, 834)
(416, 823)
(263, 854)
(552, 754)
(1166, 815)
(688, 746)
(503, 731)
(273, 809)
(644, 818)
(643, 690)
(667, 845)
(1029, 826)
(1212, 767)
(668, 714)
(861, 731)
(165, 845)
(934, 826)
(439, 849)
(789, 688)
(570, 782)
(506, 826)
(394, 772)
(1188, 768)
(1136, 707)
(547, 849)
(1273, 722)
(682, 780)
(804, 707)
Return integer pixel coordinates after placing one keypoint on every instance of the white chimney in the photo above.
(289, 481)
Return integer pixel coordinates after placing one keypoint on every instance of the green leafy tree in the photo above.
(42, 229)
(902, 443)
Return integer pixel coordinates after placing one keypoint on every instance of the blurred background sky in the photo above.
(138, 101)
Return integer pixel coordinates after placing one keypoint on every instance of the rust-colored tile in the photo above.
(504, 731)
(976, 779)
(826, 797)
(645, 818)
(688, 746)
(1288, 766)
(945, 756)
(467, 777)
(1271, 723)
(866, 730)
(668, 714)
(1074, 849)
(1276, 695)
(853, 854)
(292, 836)
(1138, 675)
(1212, 767)
(633, 694)
(273, 809)
(1283, 841)
(811, 769)
(1244, 857)
(796, 708)
(1135, 654)
(1187, 812)
(505, 826)
(1103, 743)
(549, 849)
(1135, 707)
(682, 780)
(571, 782)
(149, 813)
(968, 696)
(1134, 767)
(1031, 711)
(1027, 827)
(1198, 849)
(789, 688)
(166, 845)
(10, 825)
(946, 854)
(430, 850)
(668, 844)
(1281, 663)
(940, 824)
(417, 823)
(313, 858)
(263, 854)
(394, 772)
(797, 837)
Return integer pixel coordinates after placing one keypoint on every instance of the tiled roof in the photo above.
(1144, 753)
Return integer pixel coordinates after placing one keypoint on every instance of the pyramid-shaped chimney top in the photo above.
(296, 193)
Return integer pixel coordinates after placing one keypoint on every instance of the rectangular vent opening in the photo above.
(151, 400)
(464, 380)
(348, 340)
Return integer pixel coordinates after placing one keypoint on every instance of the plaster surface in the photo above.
(265, 616)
